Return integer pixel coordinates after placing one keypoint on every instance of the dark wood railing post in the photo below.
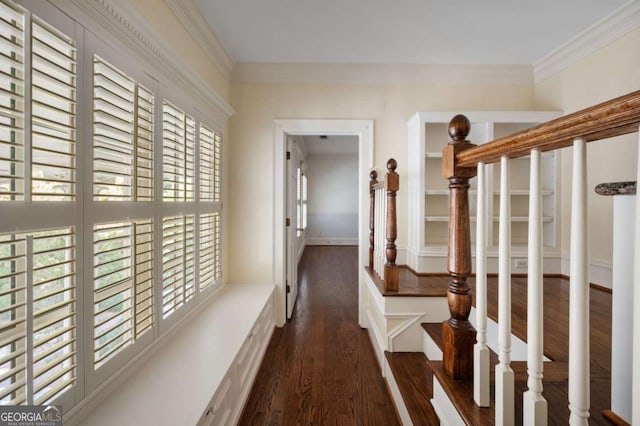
(372, 214)
(392, 184)
(459, 335)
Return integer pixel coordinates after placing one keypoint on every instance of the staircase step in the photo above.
(434, 330)
(553, 371)
(460, 394)
(412, 285)
(414, 379)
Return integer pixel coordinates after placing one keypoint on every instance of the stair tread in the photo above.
(461, 395)
(554, 371)
(555, 383)
(415, 382)
(413, 285)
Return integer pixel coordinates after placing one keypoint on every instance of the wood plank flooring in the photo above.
(320, 368)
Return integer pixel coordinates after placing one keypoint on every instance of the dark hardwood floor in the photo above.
(320, 368)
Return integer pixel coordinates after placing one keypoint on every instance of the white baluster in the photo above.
(377, 230)
(504, 373)
(534, 405)
(380, 231)
(383, 230)
(635, 390)
(383, 236)
(579, 394)
(481, 351)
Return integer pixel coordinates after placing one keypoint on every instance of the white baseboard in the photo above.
(332, 241)
(401, 257)
(600, 273)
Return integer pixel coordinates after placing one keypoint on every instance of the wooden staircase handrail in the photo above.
(460, 162)
(618, 116)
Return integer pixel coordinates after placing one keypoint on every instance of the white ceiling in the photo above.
(399, 31)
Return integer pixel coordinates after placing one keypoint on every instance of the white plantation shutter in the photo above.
(210, 250)
(123, 286)
(207, 163)
(217, 168)
(13, 298)
(143, 277)
(210, 164)
(123, 136)
(144, 144)
(41, 265)
(108, 190)
(54, 314)
(178, 239)
(217, 233)
(178, 154)
(11, 104)
(53, 114)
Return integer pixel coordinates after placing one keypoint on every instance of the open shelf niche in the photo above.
(429, 195)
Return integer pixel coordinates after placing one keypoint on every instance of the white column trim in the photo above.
(635, 385)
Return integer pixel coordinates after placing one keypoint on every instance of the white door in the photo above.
(293, 191)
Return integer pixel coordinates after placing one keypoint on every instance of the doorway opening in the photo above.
(322, 199)
(284, 252)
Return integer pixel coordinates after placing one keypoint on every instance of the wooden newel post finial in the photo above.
(392, 184)
(373, 179)
(459, 335)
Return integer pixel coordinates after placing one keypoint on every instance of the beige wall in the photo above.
(251, 175)
(612, 71)
(161, 18)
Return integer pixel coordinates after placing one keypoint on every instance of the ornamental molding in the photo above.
(191, 18)
(120, 20)
(607, 30)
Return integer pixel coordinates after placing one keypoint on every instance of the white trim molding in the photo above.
(383, 73)
(120, 19)
(337, 241)
(192, 19)
(282, 129)
(600, 272)
(613, 26)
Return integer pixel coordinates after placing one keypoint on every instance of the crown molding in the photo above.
(191, 18)
(122, 21)
(610, 28)
(383, 73)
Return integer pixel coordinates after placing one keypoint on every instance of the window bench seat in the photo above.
(204, 372)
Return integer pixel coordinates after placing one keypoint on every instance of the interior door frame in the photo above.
(363, 129)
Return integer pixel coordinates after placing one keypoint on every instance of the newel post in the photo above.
(392, 184)
(459, 335)
(372, 214)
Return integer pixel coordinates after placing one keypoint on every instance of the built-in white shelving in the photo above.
(428, 192)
